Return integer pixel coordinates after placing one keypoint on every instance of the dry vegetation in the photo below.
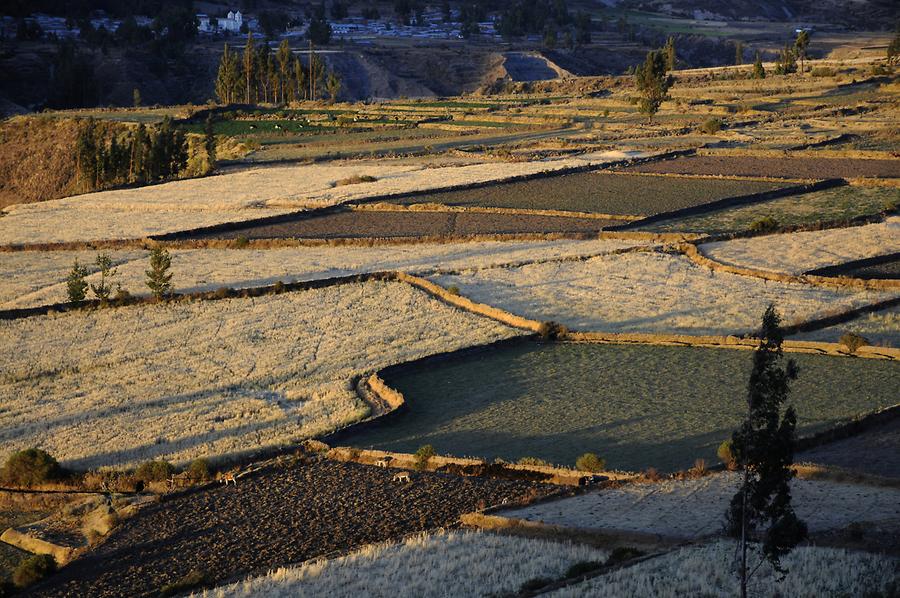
(795, 253)
(650, 292)
(36, 278)
(212, 378)
(706, 570)
(463, 564)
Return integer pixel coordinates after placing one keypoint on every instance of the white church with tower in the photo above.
(231, 23)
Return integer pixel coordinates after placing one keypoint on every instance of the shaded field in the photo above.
(597, 192)
(352, 224)
(837, 204)
(872, 268)
(880, 328)
(636, 406)
(875, 451)
(279, 515)
(10, 556)
(790, 168)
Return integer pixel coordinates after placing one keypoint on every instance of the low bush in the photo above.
(853, 341)
(726, 455)
(154, 471)
(199, 469)
(453, 290)
(590, 462)
(552, 330)
(355, 179)
(766, 224)
(711, 126)
(699, 468)
(33, 569)
(823, 71)
(423, 456)
(651, 474)
(29, 468)
(241, 241)
(192, 580)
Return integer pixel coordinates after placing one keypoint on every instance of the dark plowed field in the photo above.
(360, 224)
(597, 192)
(279, 515)
(789, 168)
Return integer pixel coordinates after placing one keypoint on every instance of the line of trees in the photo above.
(142, 155)
(261, 76)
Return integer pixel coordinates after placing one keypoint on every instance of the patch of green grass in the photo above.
(637, 406)
(839, 203)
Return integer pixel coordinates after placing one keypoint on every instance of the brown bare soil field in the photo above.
(278, 515)
(875, 451)
(598, 192)
(375, 224)
(786, 167)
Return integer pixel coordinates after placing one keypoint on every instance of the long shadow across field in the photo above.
(635, 405)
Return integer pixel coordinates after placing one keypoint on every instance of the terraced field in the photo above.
(597, 192)
(636, 406)
(361, 224)
(780, 167)
(280, 515)
(837, 204)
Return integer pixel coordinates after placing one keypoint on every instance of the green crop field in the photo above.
(598, 192)
(636, 406)
(837, 204)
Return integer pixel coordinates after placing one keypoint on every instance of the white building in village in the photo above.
(232, 22)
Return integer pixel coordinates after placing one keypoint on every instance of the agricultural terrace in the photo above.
(358, 224)
(839, 204)
(34, 278)
(459, 563)
(637, 406)
(795, 253)
(878, 328)
(777, 167)
(212, 378)
(875, 450)
(598, 192)
(653, 292)
(706, 570)
(695, 508)
(247, 194)
(282, 514)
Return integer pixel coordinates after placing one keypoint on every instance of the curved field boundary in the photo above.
(730, 202)
(863, 263)
(441, 208)
(698, 257)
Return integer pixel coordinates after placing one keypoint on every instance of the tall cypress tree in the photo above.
(284, 71)
(764, 448)
(249, 67)
(225, 78)
(653, 83)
